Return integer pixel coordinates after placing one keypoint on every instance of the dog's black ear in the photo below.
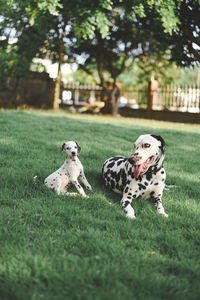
(163, 144)
(79, 148)
(63, 147)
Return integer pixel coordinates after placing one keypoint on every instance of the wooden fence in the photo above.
(179, 98)
(150, 97)
(135, 97)
(169, 97)
(78, 94)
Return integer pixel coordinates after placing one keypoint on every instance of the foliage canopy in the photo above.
(42, 28)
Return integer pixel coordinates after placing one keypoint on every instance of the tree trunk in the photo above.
(115, 94)
(56, 93)
(112, 100)
(14, 101)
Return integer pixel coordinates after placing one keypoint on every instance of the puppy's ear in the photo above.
(62, 148)
(79, 148)
(163, 144)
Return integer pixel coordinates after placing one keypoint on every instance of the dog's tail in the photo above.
(35, 178)
(170, 187)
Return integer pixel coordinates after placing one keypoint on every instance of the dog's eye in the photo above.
(75, 147)
(67, 148)
(146, 145)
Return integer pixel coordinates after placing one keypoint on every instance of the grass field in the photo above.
(58, 247)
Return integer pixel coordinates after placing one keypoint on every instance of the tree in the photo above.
(84, 17)
(16, 57)
(131, 38)
(141, 33)
(40, 28)
(142, 71)
(185, 40)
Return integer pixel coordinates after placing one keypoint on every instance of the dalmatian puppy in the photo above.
(69, 172)
(140, 175)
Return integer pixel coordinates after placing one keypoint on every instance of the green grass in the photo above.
(58, 247)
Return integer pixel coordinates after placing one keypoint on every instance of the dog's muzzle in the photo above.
(134, 158)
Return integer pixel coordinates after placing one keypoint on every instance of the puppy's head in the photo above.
(149, 151)
(71, 148)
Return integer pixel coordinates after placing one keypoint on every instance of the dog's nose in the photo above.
(73, 153)
(136, 156)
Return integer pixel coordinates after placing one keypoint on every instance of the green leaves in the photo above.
(51, 5)
(102, 23)
(41, 21)
(32, 15)
(106, 4)
(169, 20)
(91, 18)
(139, 9)
(43, 6)
(166, 10)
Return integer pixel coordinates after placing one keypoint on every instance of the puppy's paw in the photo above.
(35, 179)
(165, 215)
(130, 215)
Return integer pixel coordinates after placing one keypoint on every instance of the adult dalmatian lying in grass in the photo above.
(140, 175)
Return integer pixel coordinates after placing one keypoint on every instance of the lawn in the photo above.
(60, 247)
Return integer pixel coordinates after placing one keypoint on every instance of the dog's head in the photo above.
(149, 151)
(71, 148)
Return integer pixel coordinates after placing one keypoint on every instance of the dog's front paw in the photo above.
(85, 196)
(72, 194)
(88, 187)
(130, 214)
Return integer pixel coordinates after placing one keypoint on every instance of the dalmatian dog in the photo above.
(140, 175)
(69, 172)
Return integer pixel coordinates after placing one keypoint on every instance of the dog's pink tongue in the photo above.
(137, 170)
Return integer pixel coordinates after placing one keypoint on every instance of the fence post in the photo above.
(92, 97)
(152, 95)
(76, 97)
